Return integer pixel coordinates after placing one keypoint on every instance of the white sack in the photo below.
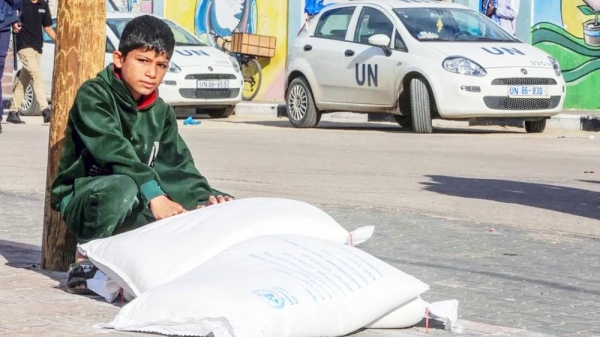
(446, 312)
(103, 286)
(162, 251)
(408, 315)
(284, 285)
(413, 312)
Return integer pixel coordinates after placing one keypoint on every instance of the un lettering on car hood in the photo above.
(186, 56)
(495, 54)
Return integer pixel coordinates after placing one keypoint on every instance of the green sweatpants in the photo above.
(103, 206)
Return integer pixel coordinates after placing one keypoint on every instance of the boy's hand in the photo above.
(16, 27)
(213, 200)
(162, 207)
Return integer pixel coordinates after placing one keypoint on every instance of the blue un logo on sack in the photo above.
(272, 299)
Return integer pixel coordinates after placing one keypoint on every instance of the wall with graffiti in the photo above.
(222, 17)
(570, 31)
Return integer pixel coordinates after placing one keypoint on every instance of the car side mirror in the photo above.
(382, 41)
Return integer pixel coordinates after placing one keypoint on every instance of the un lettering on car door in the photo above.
(366, 74)
(371, 82)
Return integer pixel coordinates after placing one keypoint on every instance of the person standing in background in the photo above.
(8, 17)
(506, 12)
(35, 19)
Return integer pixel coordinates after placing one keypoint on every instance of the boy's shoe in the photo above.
(13, 117)
(79, 273)
(47, 115)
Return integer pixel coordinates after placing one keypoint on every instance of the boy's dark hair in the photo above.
(147, 32)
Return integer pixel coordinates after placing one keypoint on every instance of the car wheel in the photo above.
(420, 106)
(535, 126)
(301, 109)
(404, 121)
(29, 106)
(219, 113)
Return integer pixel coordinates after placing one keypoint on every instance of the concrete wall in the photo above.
(265, 17)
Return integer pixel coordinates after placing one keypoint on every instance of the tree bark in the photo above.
(79, 55)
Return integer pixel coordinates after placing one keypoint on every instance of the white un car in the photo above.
(199, 76)
(418, 60)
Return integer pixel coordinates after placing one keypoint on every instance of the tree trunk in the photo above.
(79, 55)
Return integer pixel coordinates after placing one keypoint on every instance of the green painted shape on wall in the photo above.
(583, 94)
(566, 58)
(580, 64)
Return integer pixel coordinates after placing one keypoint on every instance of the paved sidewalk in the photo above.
(536, 275)
(509, 282)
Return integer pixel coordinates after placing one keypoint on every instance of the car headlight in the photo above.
(235, 64)
(463, 66)
(555, 65)
(173, 68)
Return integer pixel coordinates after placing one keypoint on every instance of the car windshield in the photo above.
(182, 37)
(451, 24)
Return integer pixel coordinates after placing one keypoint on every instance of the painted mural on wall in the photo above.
(207, 18)
(570, 31)
(224, 17)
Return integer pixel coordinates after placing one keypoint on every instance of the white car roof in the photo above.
(391, 4)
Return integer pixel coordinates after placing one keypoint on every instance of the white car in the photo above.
(199, 76)
(418, 60)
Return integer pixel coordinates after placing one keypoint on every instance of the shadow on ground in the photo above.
(379, 127)
(567, 200)
(590, 181)
(25, 256)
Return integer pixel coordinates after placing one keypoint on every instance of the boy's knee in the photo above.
(117, 191)
(100, 205)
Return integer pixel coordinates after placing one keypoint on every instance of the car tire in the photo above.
(404, 121)
(220, 112)
(535, 126)
(29, 106)
(420, 106)
(300, 105)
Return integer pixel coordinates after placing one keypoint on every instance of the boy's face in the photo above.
(141, 71)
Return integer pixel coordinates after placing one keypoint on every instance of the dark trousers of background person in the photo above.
(4, 44)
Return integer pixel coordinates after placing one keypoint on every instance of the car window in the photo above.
(182, 37)
(334, 24)
(399, 43)
(111, 6)
(110, 48)
(372, 22)
(450, 24)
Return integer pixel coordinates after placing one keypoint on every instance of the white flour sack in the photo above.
(407, 315)
(275, 286)
(162, 251)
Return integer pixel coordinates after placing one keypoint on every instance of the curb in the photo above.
(562, 121)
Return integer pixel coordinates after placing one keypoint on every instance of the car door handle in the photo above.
(307, 47)
(349, 52)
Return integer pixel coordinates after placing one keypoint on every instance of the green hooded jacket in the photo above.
(109, 133)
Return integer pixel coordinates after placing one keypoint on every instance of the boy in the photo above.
(124, 164)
